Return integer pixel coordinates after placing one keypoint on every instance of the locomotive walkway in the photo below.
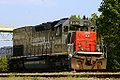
(65, 74)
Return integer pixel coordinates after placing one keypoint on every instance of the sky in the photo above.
(20, 13)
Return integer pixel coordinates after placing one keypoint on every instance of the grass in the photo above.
(40, 78)
(58, 78)
(3, 63)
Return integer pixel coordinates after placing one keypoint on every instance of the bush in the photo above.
(3, 63)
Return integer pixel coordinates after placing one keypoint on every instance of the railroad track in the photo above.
(65, 74)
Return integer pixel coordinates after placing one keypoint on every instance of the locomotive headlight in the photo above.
(98, 48)
(70, 55)
(80, 47)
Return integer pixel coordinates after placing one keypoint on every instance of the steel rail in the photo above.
(65, 74)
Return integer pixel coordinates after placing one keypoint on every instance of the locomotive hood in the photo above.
(62, 21)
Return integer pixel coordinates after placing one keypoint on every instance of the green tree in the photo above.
(74, 17)
(94, 18)
(109, 27)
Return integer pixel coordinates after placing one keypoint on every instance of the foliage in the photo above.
(3, 63)
(109, 27)
(94, 18)
(74, 17)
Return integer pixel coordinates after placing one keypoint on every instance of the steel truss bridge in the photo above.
(6, 33)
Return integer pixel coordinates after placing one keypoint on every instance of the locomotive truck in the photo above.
(62, 44)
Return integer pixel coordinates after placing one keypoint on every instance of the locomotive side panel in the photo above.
(29, 41)
(57, 41)
(47, 39)
(41, 42)
(22, 41)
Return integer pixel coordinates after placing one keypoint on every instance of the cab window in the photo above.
(58, 31)
(65, 28)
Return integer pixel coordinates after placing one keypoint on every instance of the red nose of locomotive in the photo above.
(85, 41)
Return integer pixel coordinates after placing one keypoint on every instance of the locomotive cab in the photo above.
(84, 50)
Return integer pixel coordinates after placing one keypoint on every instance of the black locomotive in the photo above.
(62, 44)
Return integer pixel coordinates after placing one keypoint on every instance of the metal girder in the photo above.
(6, 29)
(6, 36)
(6, 33)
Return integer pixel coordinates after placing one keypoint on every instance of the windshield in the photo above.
(78, 28)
